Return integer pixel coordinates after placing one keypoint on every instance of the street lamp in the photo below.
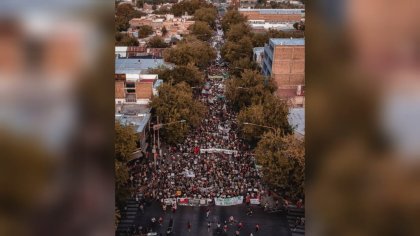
(243, 88)
(269, 127)
(158, 127)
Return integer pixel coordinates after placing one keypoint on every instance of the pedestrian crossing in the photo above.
(128, 216)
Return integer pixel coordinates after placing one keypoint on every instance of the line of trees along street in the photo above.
(262, 117)
(125, 145)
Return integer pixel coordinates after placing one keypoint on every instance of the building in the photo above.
(139, 51)
(247, 3)
(257, 55)
(263, 26)
(176, 27)
(284, 61)
(138, 65)
(296, 119)
(135, 90)
(138, 116)
(133, 84)
(273, 15)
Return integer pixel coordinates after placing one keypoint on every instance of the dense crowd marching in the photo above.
(186, 170)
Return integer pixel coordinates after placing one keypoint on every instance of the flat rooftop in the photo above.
(137, 65)
(288, 41)
(274, 11)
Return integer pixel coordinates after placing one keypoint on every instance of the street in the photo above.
(270, 224)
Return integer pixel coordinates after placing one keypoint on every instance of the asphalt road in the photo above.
(270, 223)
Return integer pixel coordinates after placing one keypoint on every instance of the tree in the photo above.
(283, 163)
(125, 145)
(270, 112)
(173, 104)
(260, 39)
(206, 14)
(190, 7)
(188, 74)
(238, 66)
(125, 141)
(232, 17)
(232, 51)
(190, 51)
(126, 40)
(121, 24)
(238, 31)
(157, 42)
(250, 88)
(201, 30)
(145, 30)
(164, 31)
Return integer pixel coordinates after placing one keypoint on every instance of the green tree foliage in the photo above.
(125, 145)
(162, 11)
(270, 112)
(259, 39)
(283, 163)
(250, 88)
(157, 42)
(238, 66)
(123, 14)
(125, 141)
(232, 17)
(176, 103)
(201, 30)
(189, 6)
(238, 31)
(121, 24)
(206, 14)
(145, 30)
(190, 51)
(232, 51)
(125, 40)
(189, 74)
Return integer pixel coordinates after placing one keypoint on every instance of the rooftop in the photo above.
(139, 121)
(258, 50)
(288, 41)
(296, 119)
(136, 65)
(274, 11)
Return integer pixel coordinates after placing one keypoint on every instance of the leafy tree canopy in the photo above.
(250, 88)
(145, 30)
(232, 17)
(201, 30)
(190, 51)
(189, 74)
(157, 42)
(283, 162)
(176, 103)
(206, 14)
(272, 112)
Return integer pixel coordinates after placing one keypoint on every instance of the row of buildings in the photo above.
(176, 27)
(135, 86)
(279, 19)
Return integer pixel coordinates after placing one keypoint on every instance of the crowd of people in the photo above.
(191, 169)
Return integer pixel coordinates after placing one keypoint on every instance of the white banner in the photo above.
(255, 201)
(218, 150)
(229, 201)
(189, 174)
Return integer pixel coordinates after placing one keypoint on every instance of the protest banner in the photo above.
(229, 201)
(183, 201)
(255, 201)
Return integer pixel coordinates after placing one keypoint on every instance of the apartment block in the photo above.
(284, 61)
